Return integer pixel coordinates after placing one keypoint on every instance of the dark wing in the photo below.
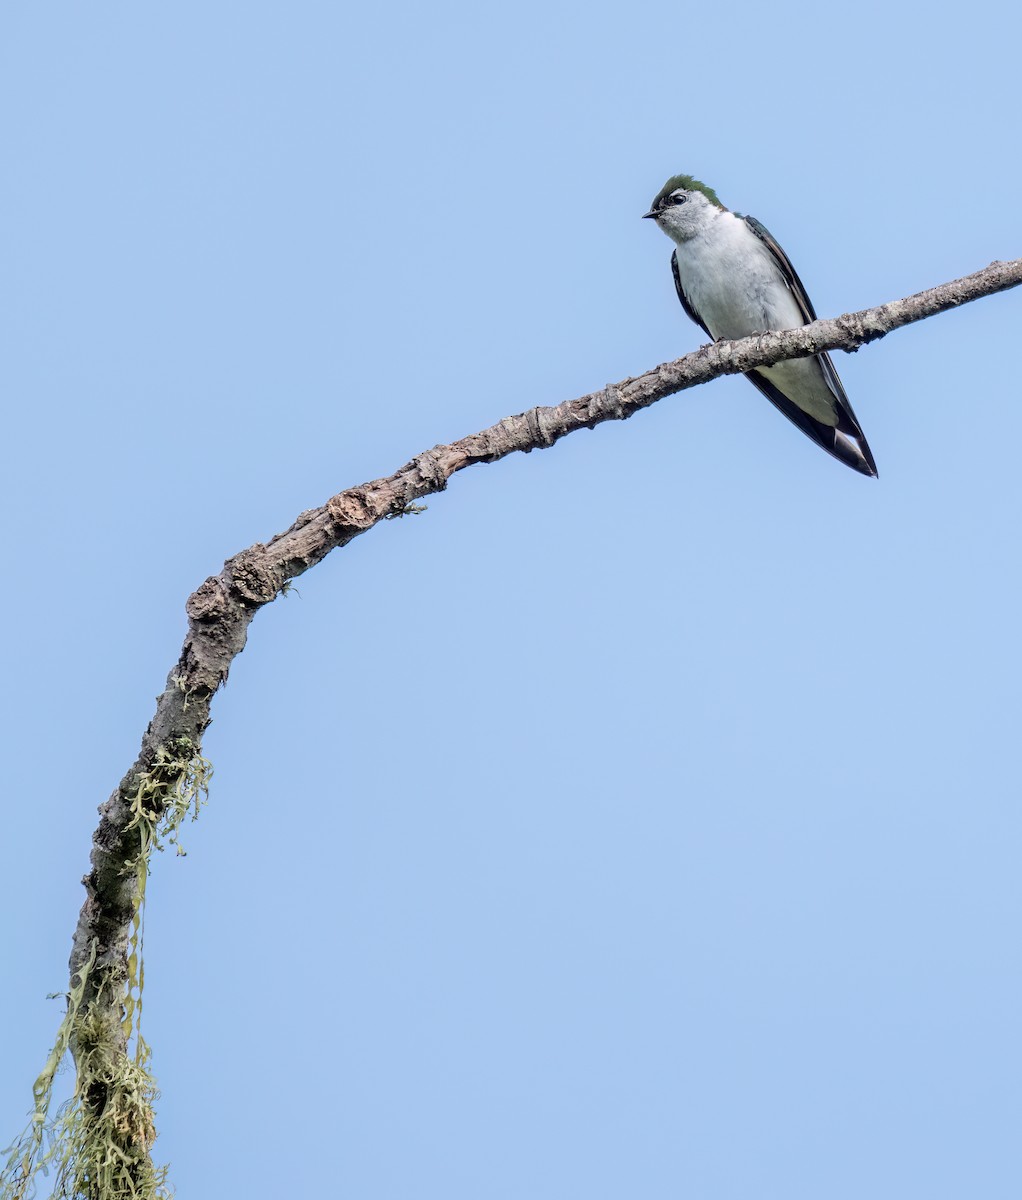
(834, 440)
(795, 285)
(692, 314)
(846, 441)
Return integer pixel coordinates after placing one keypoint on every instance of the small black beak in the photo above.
(651, 213)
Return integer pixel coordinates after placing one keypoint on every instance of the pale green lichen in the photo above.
(98, 1145)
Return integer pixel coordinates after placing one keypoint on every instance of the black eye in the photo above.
(677, 198)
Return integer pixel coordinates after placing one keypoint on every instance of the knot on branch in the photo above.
(431, 470)
(251, 579)
(356, 510)
(209, 602)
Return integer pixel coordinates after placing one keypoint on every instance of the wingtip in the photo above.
(854, 451)
(866, 466)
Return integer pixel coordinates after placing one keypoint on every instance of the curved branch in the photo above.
(221, 610)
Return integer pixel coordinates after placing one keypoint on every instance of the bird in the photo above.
(733, 280)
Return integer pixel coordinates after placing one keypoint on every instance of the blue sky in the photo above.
(643, 819)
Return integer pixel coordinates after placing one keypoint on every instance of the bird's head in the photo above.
(683, 207)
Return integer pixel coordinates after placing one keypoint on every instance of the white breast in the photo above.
(733, 282)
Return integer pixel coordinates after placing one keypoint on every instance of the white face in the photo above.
(682, 215)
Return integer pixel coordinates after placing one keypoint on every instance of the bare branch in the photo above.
(221, 610)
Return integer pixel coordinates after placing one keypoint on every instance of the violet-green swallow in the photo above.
(734, 280)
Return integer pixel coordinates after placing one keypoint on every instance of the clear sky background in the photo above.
(643, 820)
